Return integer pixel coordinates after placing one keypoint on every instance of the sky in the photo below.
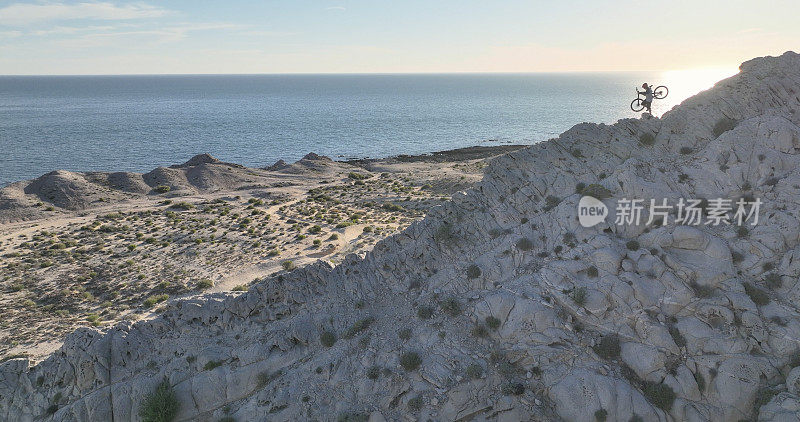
(382, 36)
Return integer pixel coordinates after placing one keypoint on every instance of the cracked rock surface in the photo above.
(689, 323)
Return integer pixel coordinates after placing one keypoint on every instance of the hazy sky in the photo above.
(287, 36)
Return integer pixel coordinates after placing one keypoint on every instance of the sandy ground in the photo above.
(123, 256)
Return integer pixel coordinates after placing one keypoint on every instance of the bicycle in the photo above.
(659, 93)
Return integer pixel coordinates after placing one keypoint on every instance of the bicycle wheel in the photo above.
(636, 105)
(660, 92)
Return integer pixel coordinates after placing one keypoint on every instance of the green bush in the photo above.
(758, 296)
(357, 176)
(415, 403)
(723, 125)
(374, 372)
(597, 191)
(608, 348)
(474, 371)
(513, 389)
(451, 306)
(473, 271)
(600, 415)
(686, 150)
(410, 361)
(404, 334)
(212, 364)
(162, 189)
(677, 337)
(358, 327)
(701, 381)
(647, 139)
(660, 395)
(161, 405)
(579, 296)
(492, 322)
(524, 244)
(632, 245)
(479, 330)
(327, 338)
(353, 417)
(425, 312)
(592, 272)
(152, 300)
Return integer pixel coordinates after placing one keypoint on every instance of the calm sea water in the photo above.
(135, 123)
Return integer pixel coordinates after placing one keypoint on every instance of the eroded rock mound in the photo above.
(499, 305)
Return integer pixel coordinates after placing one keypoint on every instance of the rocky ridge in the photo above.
(499, 305)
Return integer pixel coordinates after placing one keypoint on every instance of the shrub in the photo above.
(513, 389)
(597, 191)
(410, 361)
(524, 244)
(327, 338)
(474, 371)
(479, 330)
(742, 231)
(425, 312)
(701, 381)
(702, 290)
(182, 206)
(686, 150)
(473, 271)
(660, 395)
(357, 176)
(204, 284)
(600, 415)
(592, 271)
(632, 245)
(152, 300)
(288, 265)
(492, 322)
(608, 348)
(451, 306)
(415, 403)
(773, 280)
(677, 337)
(647, 139)
(240, 288)
(162, 189)
(352, 417)
(723, 125)
(404, 334)
(374, 372)
(579, 296)
(551, 202)
(758, 296)
(358, 327)
(161, 405)
(212, 364)
(444, 234)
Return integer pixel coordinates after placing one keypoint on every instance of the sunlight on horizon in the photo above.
(685, 83)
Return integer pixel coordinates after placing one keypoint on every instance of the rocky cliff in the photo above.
(499, 305)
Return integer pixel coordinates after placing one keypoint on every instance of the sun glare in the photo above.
(685, 83)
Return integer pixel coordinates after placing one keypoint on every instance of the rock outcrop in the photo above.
(499, 305)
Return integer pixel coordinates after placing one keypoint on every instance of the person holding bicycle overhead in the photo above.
(648, 97)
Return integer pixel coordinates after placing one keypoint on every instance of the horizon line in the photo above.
(354, 73)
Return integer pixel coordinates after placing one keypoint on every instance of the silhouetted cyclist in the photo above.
(648, 97)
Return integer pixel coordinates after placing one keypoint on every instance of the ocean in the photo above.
(136, 123)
